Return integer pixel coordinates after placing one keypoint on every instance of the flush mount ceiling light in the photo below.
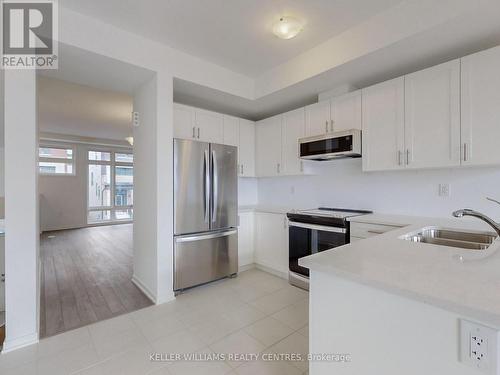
(287, 27)
(130, 140)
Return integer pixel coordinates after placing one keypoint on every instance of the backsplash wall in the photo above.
(342, 183)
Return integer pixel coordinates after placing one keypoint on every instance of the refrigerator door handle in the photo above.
(215, 186)
(206, 185)
(202, 237)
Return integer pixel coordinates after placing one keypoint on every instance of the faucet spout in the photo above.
(479, 215)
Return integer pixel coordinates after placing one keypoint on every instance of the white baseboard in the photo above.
(246, 267)
(138, 283)
(20, 342)
(272, 271)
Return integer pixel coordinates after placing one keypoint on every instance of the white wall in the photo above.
(342, 184)
(247, 191)
(381, 331)
(21, 209)
(153, 190)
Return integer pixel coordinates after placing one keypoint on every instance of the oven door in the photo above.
(307, 239)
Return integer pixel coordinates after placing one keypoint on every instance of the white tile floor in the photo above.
(253, 313)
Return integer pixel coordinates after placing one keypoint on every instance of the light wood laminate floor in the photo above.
(86, 277)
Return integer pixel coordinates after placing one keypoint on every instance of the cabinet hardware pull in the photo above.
(407, 156)
(326, 126)
(194, 132)
(465, 151)
(241, 168)
(374, 232)
(198, 133)
(278, 168)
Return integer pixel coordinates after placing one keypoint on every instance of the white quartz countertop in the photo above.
(264, 208)
(463, 281)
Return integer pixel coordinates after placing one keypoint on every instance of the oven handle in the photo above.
(317, 227)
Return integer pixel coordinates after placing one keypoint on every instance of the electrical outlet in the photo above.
(444, 190)
(478, 346)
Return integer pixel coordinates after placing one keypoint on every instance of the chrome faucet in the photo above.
(479, 215)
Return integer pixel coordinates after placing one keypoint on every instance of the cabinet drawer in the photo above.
(363, 230)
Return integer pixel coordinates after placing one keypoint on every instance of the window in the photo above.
(110, 186)
(55, 161)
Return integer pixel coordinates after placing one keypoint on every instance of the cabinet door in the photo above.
(231, 131)
(346, 111)
(318, 118)
(246, 239)
(268, 147)
(271, 249)
(383, 126)
(432, 116)
(481, 108)
(246, 151)
(209, 126)
(293, 128)
(184, 127)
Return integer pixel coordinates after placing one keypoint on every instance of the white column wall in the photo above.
(21, 209)
(153, 189)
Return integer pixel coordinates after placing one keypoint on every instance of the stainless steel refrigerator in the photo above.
(205, 212)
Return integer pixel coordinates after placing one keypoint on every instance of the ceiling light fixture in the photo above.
(287, 27)
(130, 140)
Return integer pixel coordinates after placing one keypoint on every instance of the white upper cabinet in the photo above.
(268, 150)
(209, 126)
(432, 116)
(184, 122)
(246, 151)
(383, 126)
(346, 111)
(231, 131)
(481, 108)
(293, 128)
(318, 119)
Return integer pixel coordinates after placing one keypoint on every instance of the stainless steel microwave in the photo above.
(344, 144)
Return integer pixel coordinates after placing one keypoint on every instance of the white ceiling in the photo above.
(235, 34)
(78, 110)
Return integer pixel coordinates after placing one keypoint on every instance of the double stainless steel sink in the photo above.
(453, 238)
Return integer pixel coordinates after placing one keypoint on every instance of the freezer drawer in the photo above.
(204, 257)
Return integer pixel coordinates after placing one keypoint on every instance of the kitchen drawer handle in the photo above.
(375, 232)
(465, 151)
(194, 132)
(198, 133)
(211, 236)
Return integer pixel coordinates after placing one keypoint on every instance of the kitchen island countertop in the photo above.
(464, 281)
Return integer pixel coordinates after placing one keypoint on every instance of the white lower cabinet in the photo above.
(246, 242)
(271, 241)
